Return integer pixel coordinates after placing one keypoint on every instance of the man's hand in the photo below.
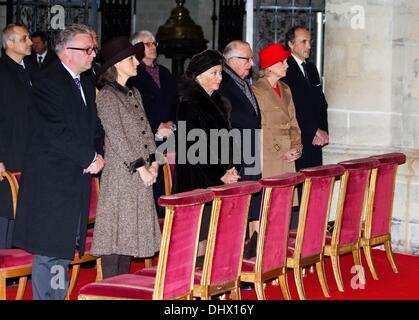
(2, 169)
(165, 129)
(96, 166)
(231, 176)
(321, 138)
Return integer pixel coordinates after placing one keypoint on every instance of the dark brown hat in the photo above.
(203, 61)
(117, 49)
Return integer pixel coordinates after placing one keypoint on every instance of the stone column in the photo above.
(371, 74)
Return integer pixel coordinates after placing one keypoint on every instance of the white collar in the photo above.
(299, 61)
(42, 55)
(71, 72)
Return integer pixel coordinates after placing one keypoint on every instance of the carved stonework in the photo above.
(36, 15)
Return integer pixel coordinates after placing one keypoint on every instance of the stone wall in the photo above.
(371, 83)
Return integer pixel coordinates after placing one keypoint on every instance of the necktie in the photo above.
(40, 61)
(305, 72)
(78, 84)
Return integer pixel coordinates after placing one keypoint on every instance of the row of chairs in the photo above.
(367, 187)
(17, 263)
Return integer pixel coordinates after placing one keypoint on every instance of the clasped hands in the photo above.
(96, 166)
(321, 138)
(231, 176)
(149, 174)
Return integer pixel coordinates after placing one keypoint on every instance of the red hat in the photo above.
(272, 54)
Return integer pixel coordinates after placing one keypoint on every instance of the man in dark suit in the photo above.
(53, 204)
(41, 56)
(158, 91)
(309, 101)
(307, 93)
(15, 101)
(245, 114)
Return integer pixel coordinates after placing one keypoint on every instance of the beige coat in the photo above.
(280, 130)
(126, 219)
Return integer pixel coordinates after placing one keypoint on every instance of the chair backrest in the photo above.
(379, 215)
(14, 187)
(352, 198)
(176, 266)
(94, 195)
(315, 208)
(224, 252)
(168, 171)
(277, 199)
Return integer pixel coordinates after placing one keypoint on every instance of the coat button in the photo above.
(130, 93)
(136, 106)
(143, 132)
(142, 118)
(145, 146)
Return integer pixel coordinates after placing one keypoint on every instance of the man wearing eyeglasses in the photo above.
(245, 116)
(157, 87)
(15, 101)
(62, 153)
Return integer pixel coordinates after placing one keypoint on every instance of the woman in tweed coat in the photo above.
(126, 221)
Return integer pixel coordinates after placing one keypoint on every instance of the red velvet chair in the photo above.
(224, 252)
(271, 253)
(306, 245)
(377, 229)
(14, 262)
(346, 235)
(175, 269)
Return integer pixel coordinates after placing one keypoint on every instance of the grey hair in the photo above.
(9, 33)
(139, 34)
(232, 48)
(68, 33)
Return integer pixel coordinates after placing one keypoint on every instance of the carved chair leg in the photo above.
(299, 283)
(21, 288)
(368, 257)
(337, 272)
(322, 278)
(360, 269)
(73, 280)
(2, 288)
(283, 282)
(389, 252)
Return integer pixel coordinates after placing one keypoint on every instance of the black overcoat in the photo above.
(311, 110)
(15, 101)
(245, 119)
(198, 110)
(54, 195)
(159, 103)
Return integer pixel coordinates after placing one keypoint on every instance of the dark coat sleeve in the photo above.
(54, 114)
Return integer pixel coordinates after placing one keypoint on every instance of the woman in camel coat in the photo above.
(281, 135)
(126, 221)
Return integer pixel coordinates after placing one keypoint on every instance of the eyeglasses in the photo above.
(245, 58)
(150, 44)
(88, 51)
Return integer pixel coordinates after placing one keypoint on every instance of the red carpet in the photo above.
(390, 286)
